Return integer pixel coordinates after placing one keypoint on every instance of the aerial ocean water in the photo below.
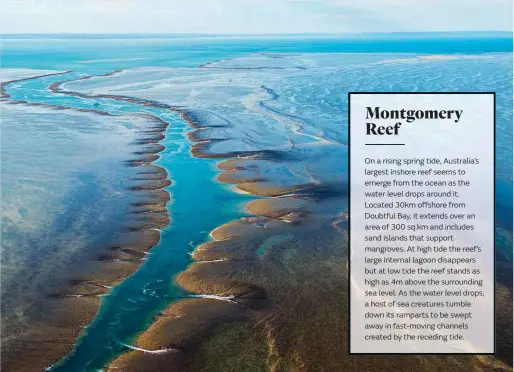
(185, 186)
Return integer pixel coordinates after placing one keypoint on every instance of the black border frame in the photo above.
(349, 224)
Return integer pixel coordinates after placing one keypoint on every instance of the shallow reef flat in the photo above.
(81, 207)
(281, 117)
(273, 101)
(12, 75)
(272, 288)
(280, 305)
(267, 292)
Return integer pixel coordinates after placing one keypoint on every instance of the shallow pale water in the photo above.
(291, 98)
(131, 305)
(55, 181)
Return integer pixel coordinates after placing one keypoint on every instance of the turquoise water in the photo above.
(132, 304)
(300, 87)
(105, 52)
(270, 242)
